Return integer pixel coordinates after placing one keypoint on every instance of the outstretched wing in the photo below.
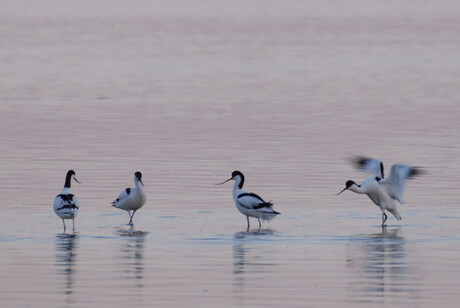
(369, 165)
(124, 194)
(252, 201)
(395, 183)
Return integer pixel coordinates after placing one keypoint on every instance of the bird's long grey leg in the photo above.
(384, 218)
(73, 224)
(132, 215)
(63, 223)
(260, 225)
(130, 219)
(247, 217)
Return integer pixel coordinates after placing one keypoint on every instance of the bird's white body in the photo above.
(384, 192)
(378, 194)
(66, 204)
(395, 183)
(250, 204)
(132, 199)
(247, 204)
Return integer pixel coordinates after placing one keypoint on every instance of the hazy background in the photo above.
(188, 91)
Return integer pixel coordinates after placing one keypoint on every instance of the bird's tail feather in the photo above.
(268, 204)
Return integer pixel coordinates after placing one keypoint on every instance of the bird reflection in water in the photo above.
(66, 246)
(247, 261)
(383, 265)
(132, 253)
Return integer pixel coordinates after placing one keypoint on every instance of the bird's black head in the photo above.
(236, 173)
(68, 178)
(138, 176)
(348, 184)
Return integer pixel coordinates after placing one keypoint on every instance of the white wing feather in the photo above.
(60, 202)
(124, 194)
(250, 200)
(395, 183)
(75, 201)
(369, 165)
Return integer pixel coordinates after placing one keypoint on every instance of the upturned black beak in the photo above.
(141, 182)
(225, 181)
(76, 180)
(342, 191)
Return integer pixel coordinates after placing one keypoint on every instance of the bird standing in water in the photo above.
(383, 191)
(250, 204)
(66, 204)
(132, 199)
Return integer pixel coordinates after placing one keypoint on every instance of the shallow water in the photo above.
(187, 93)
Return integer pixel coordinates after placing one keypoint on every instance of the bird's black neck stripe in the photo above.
(242, 181)
(68, 178)
(381, 170)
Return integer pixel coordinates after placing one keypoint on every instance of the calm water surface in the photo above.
(189, 92)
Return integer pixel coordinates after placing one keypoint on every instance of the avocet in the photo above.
(383, 191)
(66, 204)
(250, 204)
(132, 199)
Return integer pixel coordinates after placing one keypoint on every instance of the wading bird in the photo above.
(66, 204)
(383, 191)
(132, 199)
(250, 204)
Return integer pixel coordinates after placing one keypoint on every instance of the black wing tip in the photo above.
(68, 206)
(359, 161)
(268, 204)
(65, 196)
(416, 171)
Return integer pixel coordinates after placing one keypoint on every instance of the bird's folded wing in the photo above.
(66, 201)
(250, 200)
(124, 194)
